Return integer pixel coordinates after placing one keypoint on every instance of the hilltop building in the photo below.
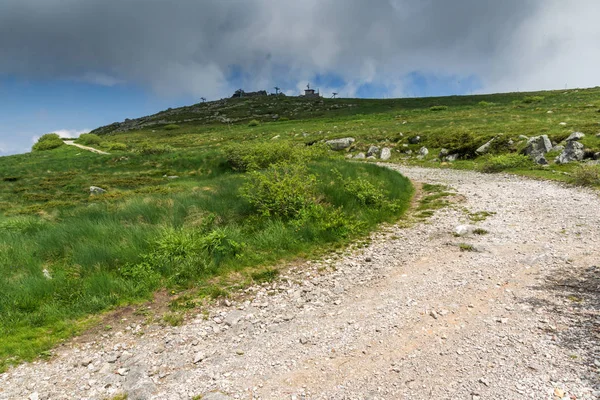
(310, 93)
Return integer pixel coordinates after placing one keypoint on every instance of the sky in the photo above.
(68, 66)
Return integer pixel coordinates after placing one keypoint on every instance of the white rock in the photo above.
(462, 230)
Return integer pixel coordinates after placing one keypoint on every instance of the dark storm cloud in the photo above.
(190, 46)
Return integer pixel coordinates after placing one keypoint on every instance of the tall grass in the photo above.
(59, 268)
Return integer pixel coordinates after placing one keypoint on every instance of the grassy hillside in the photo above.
(172, 216)
(234, 185)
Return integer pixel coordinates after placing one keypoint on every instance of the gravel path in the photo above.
(408, 317)
(82, 147)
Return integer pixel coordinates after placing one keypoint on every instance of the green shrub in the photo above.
(586, 175)
(249, 157)
(253, 123)
(362, 190)
(48, 141)
(283, 190)
(89, 139)
(115, 146)
(506, 161)
(486, 104)
(171, 127)
(533, 99)
(149, 149)
(438, 108)
(461, 142)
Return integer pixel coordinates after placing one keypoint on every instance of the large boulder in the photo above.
(386, 153)
(340, 144)
(576, 136)
(485, 148)
(574, 151)
(537, 146)
(373, 151)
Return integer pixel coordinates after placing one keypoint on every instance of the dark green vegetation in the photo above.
(48, 141)
(235, 186)
(172, 217)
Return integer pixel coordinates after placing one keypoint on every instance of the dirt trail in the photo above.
(411, 316)
(93, 150)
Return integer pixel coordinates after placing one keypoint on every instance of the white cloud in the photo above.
(64, 133)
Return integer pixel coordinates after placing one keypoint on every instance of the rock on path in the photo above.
(409, 317)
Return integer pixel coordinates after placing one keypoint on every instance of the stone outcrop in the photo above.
(537, 147)
(574, 151)
(373, 151)
(340, 144)
(386, 153)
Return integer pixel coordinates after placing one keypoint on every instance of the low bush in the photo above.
(149, 149)
(253, 123)
(171, 127)
(283, 190)
(89, 139)
(533, 99)
(461, 142)
(586, 175)
(250, 157)
(362, 190)
(503, 162)
(115, 146)
(48, 141)
(438, 108)
(486, 104)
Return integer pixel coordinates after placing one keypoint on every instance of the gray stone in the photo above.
(409, 152)
(360, 156)
(537, 146)
(199, 357)
(597, 156)
(138, 385)
(558, 147)
(572, 152)
(462, 230)
(216, 396)
(233, 317)
(598, 135)
(386, 153)
(444, 152)
(371, 158)
(523, 137)
(414, 140)
(452, 157)
(340, 144)
(541, 160)
(485, 148)
(423, 151)
(373, 151)
(96, 190)
(575, 136)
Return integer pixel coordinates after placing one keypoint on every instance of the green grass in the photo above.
(466, 247)
(149, 231)
(66, 255)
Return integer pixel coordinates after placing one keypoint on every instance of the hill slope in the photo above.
(230, 188)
